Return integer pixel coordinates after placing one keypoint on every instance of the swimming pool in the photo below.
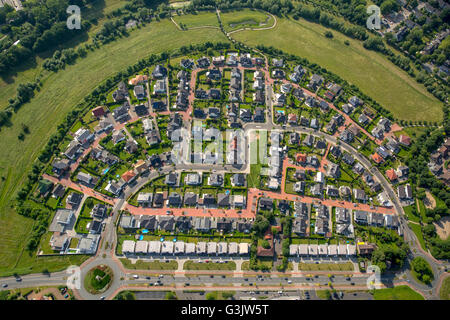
(105, 171)
(145, 231)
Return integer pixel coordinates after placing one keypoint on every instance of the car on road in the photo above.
(102, 298)
(186, 284)
(148, 278)
(161, 276)
(211, 276)
(135, 276)
(289, 281)
(66, 296)
(4, 285)
(352, 283)
(280, 292)
(18, 279)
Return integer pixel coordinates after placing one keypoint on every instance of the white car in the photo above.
(136, 276)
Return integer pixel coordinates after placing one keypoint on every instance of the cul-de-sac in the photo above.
(228, 167)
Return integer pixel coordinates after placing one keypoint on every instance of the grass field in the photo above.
(347, 266)
(191, 265)
(97, 9)
(198, 20)
(234, 20)
(368, 70)
(60, 92)
(397, 293)
(444, 292)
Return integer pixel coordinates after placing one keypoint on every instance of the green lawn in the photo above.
(410, 215)
(98, 280)
(347, 266)
(397, 293)
(418, 232)
(60, 92)
(444, 292)
(370, 71)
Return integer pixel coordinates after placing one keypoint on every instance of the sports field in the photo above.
(60, 92)
(370, 71)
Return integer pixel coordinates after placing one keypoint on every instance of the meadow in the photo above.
(234, 20)
(397, 293)
(376, 76)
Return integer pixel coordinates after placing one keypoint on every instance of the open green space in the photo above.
(444, 292)
(60, 92)
(220, 295)
(397, 293)
(370, 71)
(346, 266)
(98, 279)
